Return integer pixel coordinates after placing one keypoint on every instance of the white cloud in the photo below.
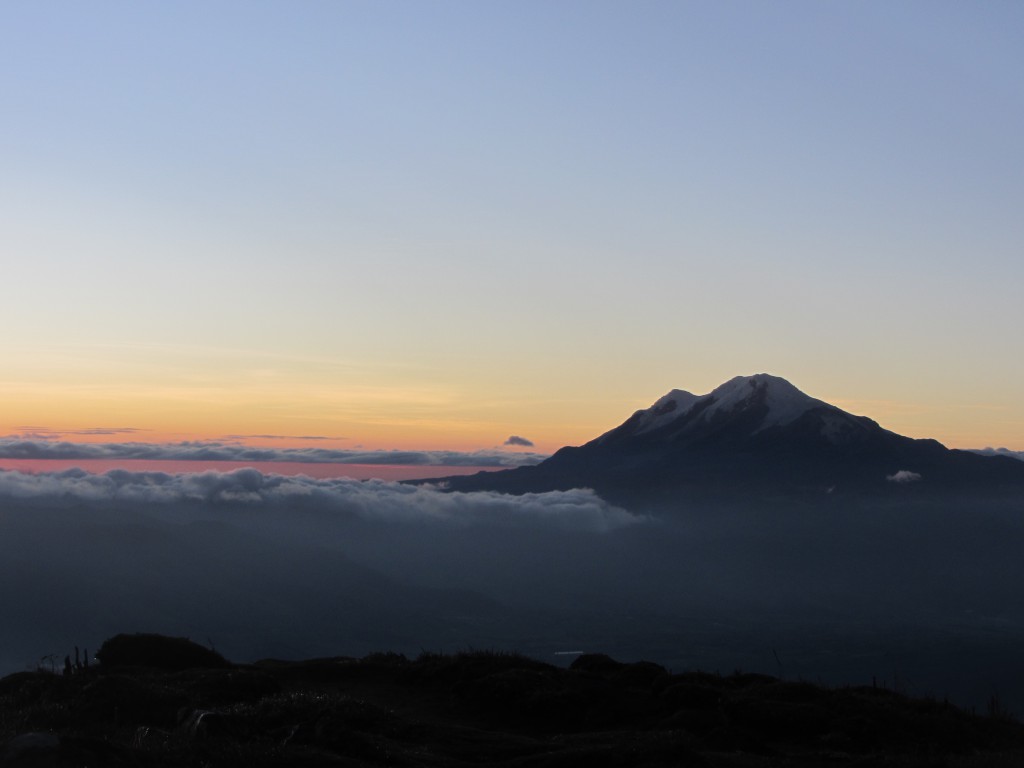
(578, 509)
(903, 476)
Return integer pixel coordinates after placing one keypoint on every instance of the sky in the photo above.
(435, 225)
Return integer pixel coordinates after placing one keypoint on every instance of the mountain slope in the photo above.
(755, 435)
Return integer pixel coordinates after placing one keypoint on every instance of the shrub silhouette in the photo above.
(597, 663)
(474, 708)
(158, 651)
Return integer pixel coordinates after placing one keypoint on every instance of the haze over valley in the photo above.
(840, 567)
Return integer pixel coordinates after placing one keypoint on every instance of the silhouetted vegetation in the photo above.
(147, 650)
(471, 708)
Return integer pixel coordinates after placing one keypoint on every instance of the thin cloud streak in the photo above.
(45, 433)
(284, 437)
(19, 448)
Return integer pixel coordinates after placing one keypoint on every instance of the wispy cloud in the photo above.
(517, 440)
(18, 447)
(283, 437)
(46, 433)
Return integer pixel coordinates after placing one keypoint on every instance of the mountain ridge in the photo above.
(754, 435)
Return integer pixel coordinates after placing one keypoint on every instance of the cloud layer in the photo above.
(22, 448)
(1019, 455)
(578, 509)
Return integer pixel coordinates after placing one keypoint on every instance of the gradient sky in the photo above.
(436, 224)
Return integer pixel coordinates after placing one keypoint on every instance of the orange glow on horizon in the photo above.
(159, 395)
(953, 428)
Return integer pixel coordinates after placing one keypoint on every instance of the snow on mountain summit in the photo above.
(785, 403)
(665, 409)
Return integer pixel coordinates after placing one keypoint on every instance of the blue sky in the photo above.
(436, 224)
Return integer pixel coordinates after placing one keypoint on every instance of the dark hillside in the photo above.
(476, 708)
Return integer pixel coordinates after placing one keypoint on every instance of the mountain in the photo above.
(755, 435)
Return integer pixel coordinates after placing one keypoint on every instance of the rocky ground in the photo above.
(153, 701)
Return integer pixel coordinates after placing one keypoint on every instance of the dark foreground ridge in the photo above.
(154, 701)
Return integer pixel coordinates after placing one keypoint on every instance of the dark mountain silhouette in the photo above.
(755, 435)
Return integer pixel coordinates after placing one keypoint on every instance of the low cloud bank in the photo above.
(20, 448)
(290, 566)
(578, 509)
(1019, 455)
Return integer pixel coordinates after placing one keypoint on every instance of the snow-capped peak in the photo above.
(665, 409)
(785, 402)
